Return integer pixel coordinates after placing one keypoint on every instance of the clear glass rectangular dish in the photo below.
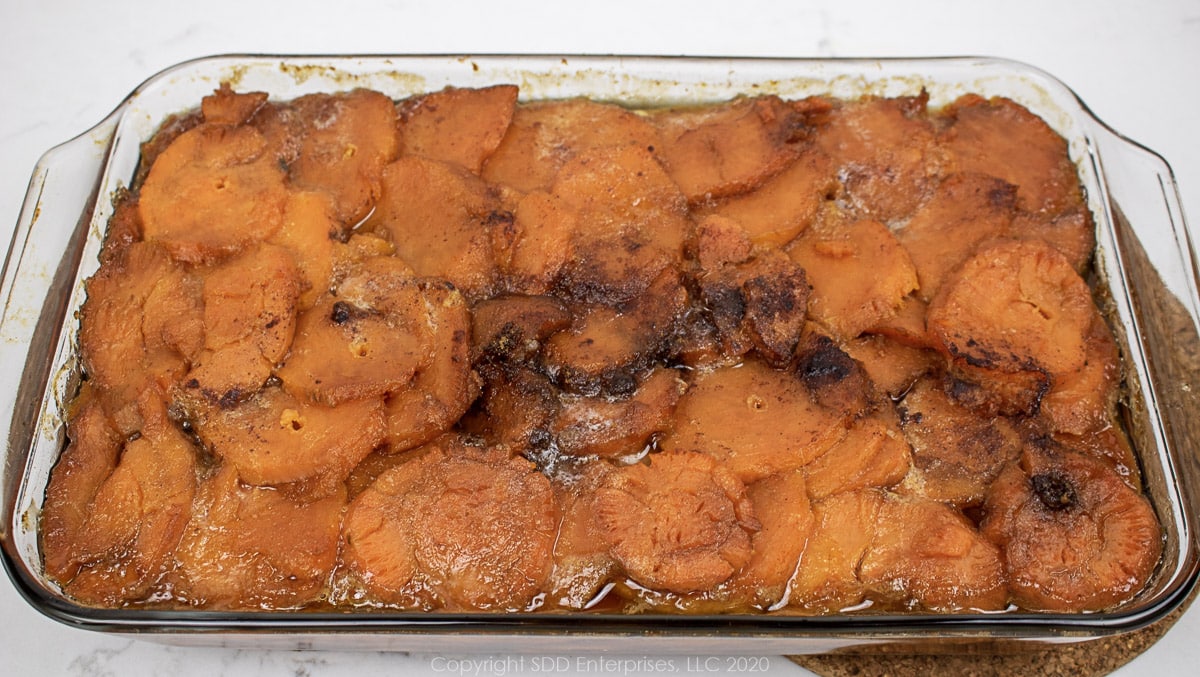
(1147, 270)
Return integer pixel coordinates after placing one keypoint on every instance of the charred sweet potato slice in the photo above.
(212, 192)
(835, 380)
(518, 409)
(511, 328)
(756, 420)
(715, 151)
(1075, 536)
(859, 275)
(1014, 307)
(342, 143)
(437, 216)
(631, 223)
(1002, 138)
(459, 528)
(681, 523)
(587, 426)
(964, 211)
(956, 453)
(253, 548)
(944, 565)
(784, 205)
(545, 135)
(884, 154)
(457, 126)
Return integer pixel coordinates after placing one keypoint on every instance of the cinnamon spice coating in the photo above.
(459, 352)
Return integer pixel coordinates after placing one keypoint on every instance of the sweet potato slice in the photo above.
(1072, 232)
(457, 126)
(843, 529)
(308, 233)
(275, 438)
(731, 148)
(944, 565)
(582, 562)
(343, 141)
(1014, 307)
(254, 548)
(885, 154)
(544, 135)
(873, 454)
(587, 426)
(212, 192)
(511, 328)
(631, 223)
(756, 420)
(681, 523)
(859, 275)
(1075, 536)
(437, 216)
(226, 107)
(956, 453)
(1084, 401)
(891, 365)
(534, 246)
(966, 210)
(1002, 138)
(784, 205)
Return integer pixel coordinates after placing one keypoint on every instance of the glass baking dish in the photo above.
(1147, 277)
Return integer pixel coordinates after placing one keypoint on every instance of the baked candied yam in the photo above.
(1000, 137)
(341, 144)
(601, 426)
(730, 148)
(275, 438)
(227, 107)
(124, 227)
(141, 319)
(544, 135)
(457, 126)
(442, 390)
(965, 210)
(1110, 445)
(874, 453)
(926, 554)
(1074, 535)
(784, 205)
(535, 244)
(249, 322)
(437, 217)
(256, 548)
(457, 528)
(781, 506)
(582, 562)
(755, 420)
(891, 365)
(843, 529)
(308, 234)
(907, 326)
(138, 514)
(956, 453)
(835, 380)
(518, 409)
(606, 346)
(630, 226)
(859, 275)
(366, 341)
(679, 523)
(92, 451)
(511, 328)
(1072, 232)
(1014, 307)
(215, 190)
(1084, 401)
(759, 303)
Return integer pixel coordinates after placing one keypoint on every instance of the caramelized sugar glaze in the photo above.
(460, 353)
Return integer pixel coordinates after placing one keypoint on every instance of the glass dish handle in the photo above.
(48, 241)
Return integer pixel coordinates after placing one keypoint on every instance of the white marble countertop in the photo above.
(65, 64)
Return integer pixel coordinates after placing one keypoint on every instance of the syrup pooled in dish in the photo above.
(461, 353)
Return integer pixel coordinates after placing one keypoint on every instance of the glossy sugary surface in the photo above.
(458, 353)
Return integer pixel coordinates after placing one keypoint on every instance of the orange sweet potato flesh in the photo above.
(874, 453)
(843, 529)
(457, 126)
(212, 192)
(587, 426)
